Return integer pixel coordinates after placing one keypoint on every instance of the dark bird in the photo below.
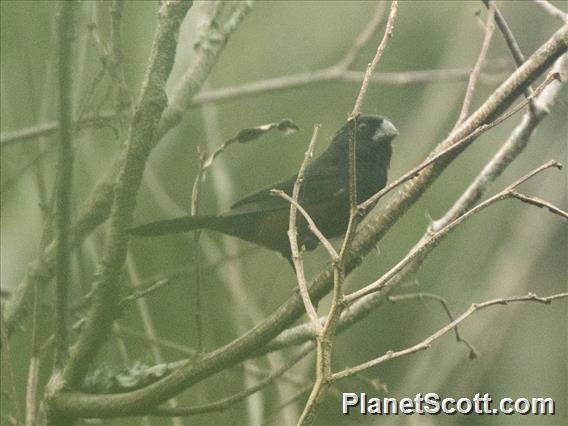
(263, 218)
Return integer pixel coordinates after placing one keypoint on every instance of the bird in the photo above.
(263, 218)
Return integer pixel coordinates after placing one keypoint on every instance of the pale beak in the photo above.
(387, 129)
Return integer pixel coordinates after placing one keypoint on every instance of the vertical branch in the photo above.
(116, 69)
(197, 257)
(65, 169)
(33, 368)
(96, 209)
(293, 235)
(353, 216)
(371, 67)
(148, 324)
(510, 150)
(9, 366)
(489, 29)
(362, 39)
(141, 139)
(325, 335)
(352, 165)
(511, 42)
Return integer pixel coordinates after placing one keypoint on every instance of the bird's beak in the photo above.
(386, 130)
(389, 129)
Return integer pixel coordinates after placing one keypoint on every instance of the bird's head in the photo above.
(373, 133)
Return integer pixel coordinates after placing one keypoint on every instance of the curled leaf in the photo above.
(246, 135)
(286, 126)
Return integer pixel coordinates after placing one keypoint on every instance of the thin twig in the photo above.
(124, 331)
(84, 405)
(311, 224)
(512, 148)
(517, 141)
(196, 285)
(510, 39)
(289, 401)
(33, 368)
(143, 292)
(473, 353)
(471, 84)
(224, 94)
(156, 282)
(371, 67)
(226, 403)
(87, 99)
(511, 42)
(293, 233)
(461, 143)
(427, 343)
(540, 203)
(243, 136)
(437, 235)
(363, 38)
(141, 140)
(325, 334)
(148, 323)
(116, 59)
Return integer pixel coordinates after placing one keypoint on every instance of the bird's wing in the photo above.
(318, 185)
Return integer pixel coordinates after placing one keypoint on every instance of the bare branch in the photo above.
(31, 390)
(9, 366)
(325, 334)
(243, 136)
(224, 94)
(363, 38)
(434, 237)
(552, 10)
(514, 145)
(370, 202)
(511, 42)
(115, 65)
(311, 224)
(371, 67)
(473, 353)
(140, 142)
(80, 404)
(65, 32)
(293, 232)
(226, 403)
(125, 331)
(540, 203)
(427, 343)
(471, 84)
(506, 154)
(96, 209)
(209, 47)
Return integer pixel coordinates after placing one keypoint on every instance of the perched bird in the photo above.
(263, 218)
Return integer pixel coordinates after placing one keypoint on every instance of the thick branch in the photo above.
(98, 206)
(141, 139)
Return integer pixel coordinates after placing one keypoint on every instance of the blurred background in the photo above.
(509, 249)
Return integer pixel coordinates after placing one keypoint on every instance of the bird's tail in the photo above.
(174, 226)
